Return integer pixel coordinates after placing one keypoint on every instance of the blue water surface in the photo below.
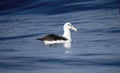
(95, 47)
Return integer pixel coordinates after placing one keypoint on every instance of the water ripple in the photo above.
(53, 7)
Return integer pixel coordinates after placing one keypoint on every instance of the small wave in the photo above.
(53, 6)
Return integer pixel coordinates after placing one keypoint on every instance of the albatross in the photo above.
(55, 39)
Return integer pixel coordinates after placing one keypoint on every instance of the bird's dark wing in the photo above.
(51, 37)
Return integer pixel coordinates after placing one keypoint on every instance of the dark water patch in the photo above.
(8, 50)
(13, 4)
(19, 37)
(20, 66)
(105, 30)
(65, 61)
(11, 20)
(5, 21)
(114, 31)
(117, 64)
(24, 62)
(53, 7)
(8, 62)
(105, 40)
(79, 62)
(96, 54)
(105, 17)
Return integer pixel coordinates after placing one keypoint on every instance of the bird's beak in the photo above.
(73, 28)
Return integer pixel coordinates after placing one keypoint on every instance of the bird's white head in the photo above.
(68, 26)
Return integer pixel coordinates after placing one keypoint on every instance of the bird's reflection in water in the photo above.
(67, 46)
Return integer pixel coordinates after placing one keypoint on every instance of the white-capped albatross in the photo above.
(54, 39)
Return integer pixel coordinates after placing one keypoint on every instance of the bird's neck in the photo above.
(67, 34)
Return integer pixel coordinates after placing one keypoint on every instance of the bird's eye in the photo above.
(69, 24)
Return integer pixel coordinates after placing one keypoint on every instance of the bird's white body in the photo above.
(55, 42)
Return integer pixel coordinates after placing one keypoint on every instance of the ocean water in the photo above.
(95, 47)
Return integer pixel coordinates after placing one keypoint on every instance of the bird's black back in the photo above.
(51, 37)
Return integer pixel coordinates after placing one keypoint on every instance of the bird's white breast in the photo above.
(55, 42)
